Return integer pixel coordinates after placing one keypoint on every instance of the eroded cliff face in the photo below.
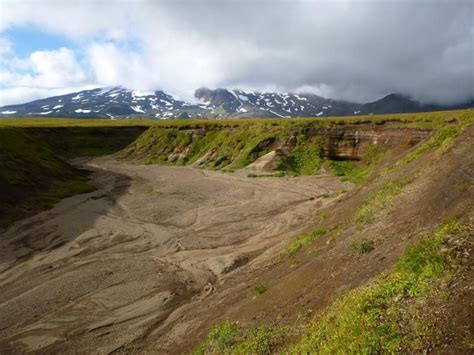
(238, 147)
(348, 143)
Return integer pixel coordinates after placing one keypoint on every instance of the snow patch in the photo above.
(279, 114)
(57, 106)
(8, 112)
(136, 94)
(137, 109)
(45, 113)
(320, 113)
(234, 94)
(243, 98)
(301, 98)
(80, 110)
(77, 97)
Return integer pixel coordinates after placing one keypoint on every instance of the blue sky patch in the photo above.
(26, 40)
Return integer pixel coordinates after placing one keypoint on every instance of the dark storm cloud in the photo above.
(353, 50)
(356, 50)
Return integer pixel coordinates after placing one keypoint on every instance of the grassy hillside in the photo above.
(384, 271)
(302, 144)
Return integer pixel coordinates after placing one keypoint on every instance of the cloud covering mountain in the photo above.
(350, 50)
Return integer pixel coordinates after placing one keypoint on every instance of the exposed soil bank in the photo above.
(101, 270)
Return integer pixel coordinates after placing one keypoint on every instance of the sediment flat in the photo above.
(105, 269)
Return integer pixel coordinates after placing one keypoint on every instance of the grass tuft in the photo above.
(303, 240)
(363, 246)
(379, 200)
(259, 289)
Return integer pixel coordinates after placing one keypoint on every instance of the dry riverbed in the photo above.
(107, 269)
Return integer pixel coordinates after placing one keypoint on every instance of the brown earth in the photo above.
(100, 271)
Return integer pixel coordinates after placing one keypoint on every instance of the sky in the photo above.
(352, 50)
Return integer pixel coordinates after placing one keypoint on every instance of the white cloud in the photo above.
(44, 69)
(353, 50)
(56, 68)
(5, 47)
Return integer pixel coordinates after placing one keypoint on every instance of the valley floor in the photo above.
(115, 268)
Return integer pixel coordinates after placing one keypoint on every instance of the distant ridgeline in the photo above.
(119, 102)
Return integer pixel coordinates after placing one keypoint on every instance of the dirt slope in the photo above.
(436, 188)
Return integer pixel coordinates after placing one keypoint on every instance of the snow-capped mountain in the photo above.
(114, 102)
(238, 103)
(119, 102)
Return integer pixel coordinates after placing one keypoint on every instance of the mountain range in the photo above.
(118, 102)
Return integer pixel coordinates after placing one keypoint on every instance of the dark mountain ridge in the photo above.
(118, 102)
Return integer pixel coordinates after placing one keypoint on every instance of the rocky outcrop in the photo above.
(347, 143)
(267, 162)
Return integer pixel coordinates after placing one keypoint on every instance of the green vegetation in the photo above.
(379, 200)
(303, 240)
(229, 148)
(277, 174)
(441, 138)
(233, 144)
(221, 336)
(228, 338)
(224, 148)
(363, 246)
(428, 120)
(306, 158)
(229, 145)
(357, 172)
(259, 289)
(369, 319)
